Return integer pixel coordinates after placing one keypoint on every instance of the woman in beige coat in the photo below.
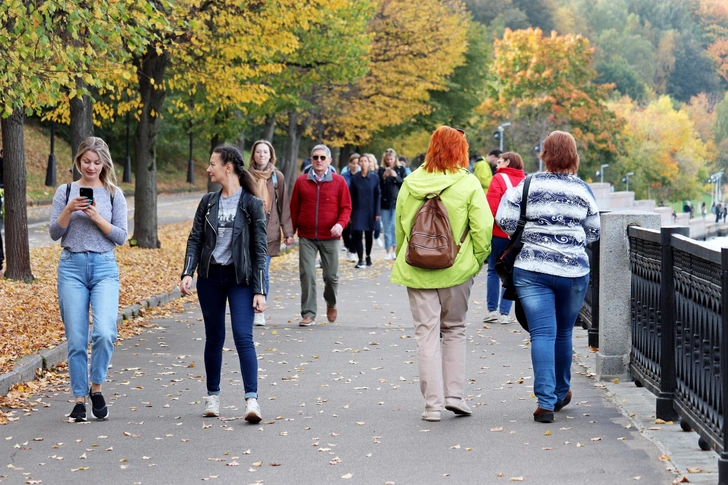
(272, 190)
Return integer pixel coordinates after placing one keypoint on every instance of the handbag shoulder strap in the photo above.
(506, 180)
(524, 201)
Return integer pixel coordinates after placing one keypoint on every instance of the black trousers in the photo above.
(356, 242)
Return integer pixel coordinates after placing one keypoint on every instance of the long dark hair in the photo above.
(231, 154)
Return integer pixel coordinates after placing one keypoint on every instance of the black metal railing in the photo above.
(679, 349)
(589, 313)
(701, 346)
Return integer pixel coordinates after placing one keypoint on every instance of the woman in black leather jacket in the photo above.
(228, 245)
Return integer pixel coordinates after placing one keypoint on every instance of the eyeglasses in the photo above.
(316, 158)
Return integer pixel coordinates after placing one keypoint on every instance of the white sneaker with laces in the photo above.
(252, 411)
(491, 316)
(458, 406)
(259, 320)
(380, 242)
(504, 319)
(212, 406)
(388, 256)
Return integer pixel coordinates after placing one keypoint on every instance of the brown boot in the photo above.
(331, 313)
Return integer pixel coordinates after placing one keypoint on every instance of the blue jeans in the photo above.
(551, 304)
(88, 279)
(493, 291)
(214, 293)
(387, 218)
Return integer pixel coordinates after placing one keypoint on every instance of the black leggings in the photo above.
(346, 236)
(356, 242)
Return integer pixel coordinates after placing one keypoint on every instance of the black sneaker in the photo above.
(78, 415)
(369, 261)
(98, 406)
(360, 265)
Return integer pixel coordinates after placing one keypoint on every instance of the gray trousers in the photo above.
(307, 250)
(441, 364)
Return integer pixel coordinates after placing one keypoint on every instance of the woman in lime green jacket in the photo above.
(439, 298)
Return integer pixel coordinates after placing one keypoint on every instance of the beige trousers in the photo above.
(441, 365)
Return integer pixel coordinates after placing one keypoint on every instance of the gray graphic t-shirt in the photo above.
(227, 208)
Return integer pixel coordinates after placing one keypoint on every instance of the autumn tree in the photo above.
(663, 149)
(545, 83)
(415, 47)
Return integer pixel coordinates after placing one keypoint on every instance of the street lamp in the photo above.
(538, 149)
(600, 172)
(499, 133)
(626, 179)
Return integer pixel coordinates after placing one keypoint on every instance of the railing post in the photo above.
(723, 455)
(615, 329)
(664, 406)
(593, 332)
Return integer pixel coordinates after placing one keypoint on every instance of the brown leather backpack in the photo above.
(431, 244)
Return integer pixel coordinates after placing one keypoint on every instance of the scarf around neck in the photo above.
(261, 180)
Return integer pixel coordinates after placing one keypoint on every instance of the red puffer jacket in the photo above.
(317, 206)
(496, 190)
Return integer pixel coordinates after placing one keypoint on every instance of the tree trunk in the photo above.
(151, 69)
(270, 128)
(344, 154)
(17, 249)
(290, 155)
(82, 126)
(214, 143)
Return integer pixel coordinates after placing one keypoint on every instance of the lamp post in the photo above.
(538, 149)
(600, 172)
(499, 133)
(626, 179)
(127, 163)
(50, 180)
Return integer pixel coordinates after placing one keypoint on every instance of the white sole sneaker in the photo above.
(212, 406)
(458, 406)
(491, 316)
(259, 320)
(432, 416)
(252, 411)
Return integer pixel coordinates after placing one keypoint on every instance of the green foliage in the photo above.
(626, 80)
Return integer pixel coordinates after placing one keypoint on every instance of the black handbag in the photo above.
(506, 259)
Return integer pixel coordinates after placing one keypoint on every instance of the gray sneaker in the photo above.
(458, 406)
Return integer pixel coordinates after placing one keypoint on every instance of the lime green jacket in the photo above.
(466, 204)
(484, 173)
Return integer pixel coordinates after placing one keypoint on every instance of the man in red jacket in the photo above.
(320, 210)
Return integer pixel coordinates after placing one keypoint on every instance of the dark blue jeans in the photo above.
(215, 292)
(551, 304)
(493, 292)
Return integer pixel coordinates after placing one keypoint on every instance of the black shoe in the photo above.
(98, 406)
(369, 261)
(543, 416)
(78, 415)
(360, 264)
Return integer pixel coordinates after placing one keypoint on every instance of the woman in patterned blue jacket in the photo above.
(551, 273)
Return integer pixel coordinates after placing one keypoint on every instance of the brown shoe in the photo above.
(543, 416)
(306, 322)
(331, 313)
(560, 404)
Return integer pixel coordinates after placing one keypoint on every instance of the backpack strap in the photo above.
(506, 180)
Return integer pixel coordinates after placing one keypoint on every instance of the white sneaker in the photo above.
(212, 406)
(458, 406)
(388, 256)
(394, 255)
(259, 320)
(380, 242)
(491, 316)
(432, 416)
(252, 411)
(504, 319)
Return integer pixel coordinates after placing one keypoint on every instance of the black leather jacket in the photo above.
(250, 240)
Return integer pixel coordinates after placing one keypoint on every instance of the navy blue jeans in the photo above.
(215, 292)
(493, 292)
(551, 304)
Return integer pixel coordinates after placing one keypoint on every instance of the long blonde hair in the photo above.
(373, 160)
(99, 146)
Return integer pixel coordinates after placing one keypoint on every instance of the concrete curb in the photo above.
(26, 368)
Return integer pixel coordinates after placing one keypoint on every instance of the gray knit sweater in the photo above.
(82, 234)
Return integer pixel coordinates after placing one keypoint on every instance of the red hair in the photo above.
(448, 151)
(559, 153)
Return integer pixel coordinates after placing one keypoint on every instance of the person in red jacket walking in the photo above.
(320, 209)
(509, 173)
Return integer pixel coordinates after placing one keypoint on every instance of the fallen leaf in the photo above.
(233, 463)
(515, 479)
(348, 475)
(694, 470)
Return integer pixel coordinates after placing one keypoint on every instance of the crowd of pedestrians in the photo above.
(239, 228)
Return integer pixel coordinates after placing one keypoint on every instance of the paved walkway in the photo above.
(341, 404)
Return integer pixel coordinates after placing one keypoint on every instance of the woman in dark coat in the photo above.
(364, 190)
(391, 176)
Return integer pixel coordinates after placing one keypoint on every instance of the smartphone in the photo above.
(87, 192)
